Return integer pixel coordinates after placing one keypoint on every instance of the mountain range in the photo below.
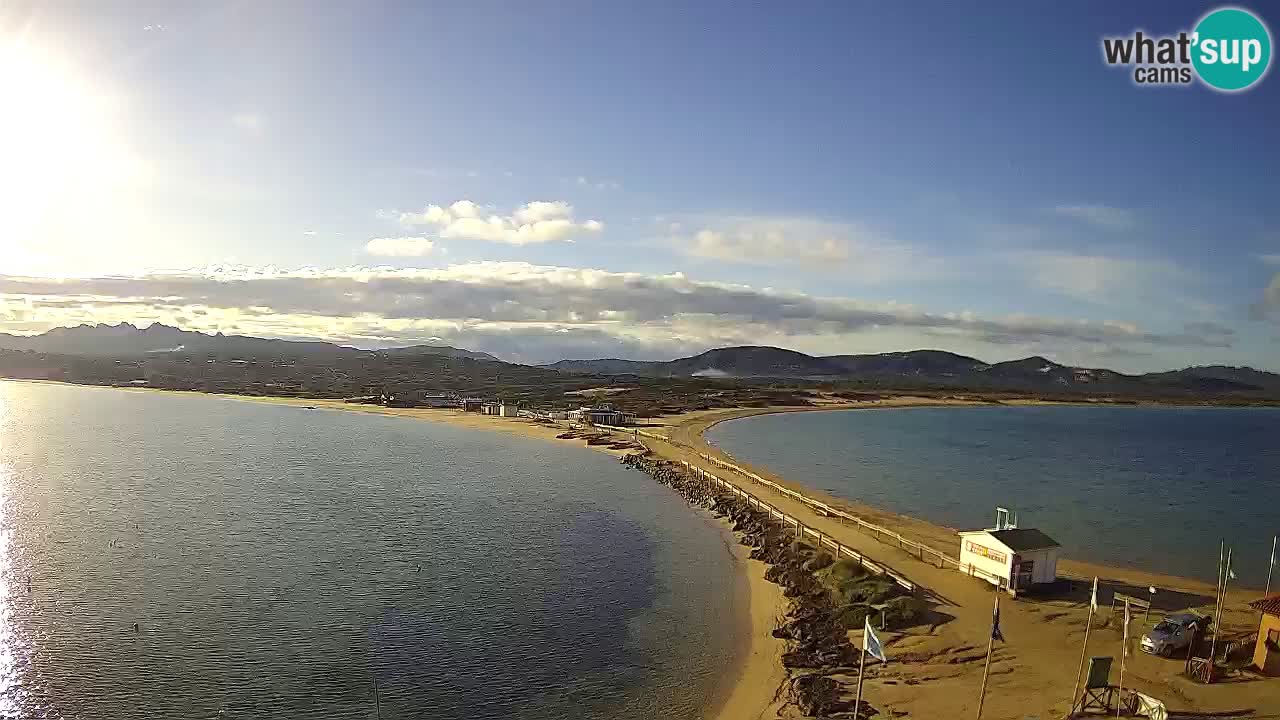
(126, 340)
(894, 370)
(934, 368)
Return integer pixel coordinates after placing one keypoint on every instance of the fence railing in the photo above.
(883, 534)
(824, 541)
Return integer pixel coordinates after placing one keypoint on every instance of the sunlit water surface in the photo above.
(280, 562)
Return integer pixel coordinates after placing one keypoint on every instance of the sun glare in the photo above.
(59, 156)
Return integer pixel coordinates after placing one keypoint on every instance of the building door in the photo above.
(1022, 573)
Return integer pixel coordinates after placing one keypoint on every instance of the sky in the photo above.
(646, 180)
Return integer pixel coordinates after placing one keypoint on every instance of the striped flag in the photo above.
(1093, 598)
(870, 643)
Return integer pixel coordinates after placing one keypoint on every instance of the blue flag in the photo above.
(870, 643)
(995, 623)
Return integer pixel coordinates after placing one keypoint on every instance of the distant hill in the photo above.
(938, 369)
(748, 361)
(445, 350)
(173, 357)
(607, 366)
(126, 340)
(1220, 377)
(915, 362)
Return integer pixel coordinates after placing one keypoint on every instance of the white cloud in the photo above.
(1270, 259)
(400, 246)
(816, 244)
(583, 181)
(1096, 277)
(1101, 216)
(542, 306)
(539, 221)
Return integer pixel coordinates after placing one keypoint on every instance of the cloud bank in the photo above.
(536, 313)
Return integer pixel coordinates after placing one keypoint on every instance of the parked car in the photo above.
(1173, 633)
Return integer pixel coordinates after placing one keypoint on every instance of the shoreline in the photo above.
(936, 674)
(745, 690)
(1082, 568)
(1034, 669)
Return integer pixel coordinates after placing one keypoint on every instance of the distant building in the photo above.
(508, 410)
(420, 398)
(1266, 654)
(1016, 559)
(471, 404)
(601, 415)
(490, 408)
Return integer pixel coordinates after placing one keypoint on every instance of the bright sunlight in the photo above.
(62, 162)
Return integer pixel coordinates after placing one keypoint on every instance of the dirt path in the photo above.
(935, 671)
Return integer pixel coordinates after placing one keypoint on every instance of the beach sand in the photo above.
(935, 669)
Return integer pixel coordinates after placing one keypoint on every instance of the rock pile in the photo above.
(817, 643)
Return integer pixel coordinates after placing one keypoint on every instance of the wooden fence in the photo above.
(883, 534)
(824, 541)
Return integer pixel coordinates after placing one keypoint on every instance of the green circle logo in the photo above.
(1232, 49)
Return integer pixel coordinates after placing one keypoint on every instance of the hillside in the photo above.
(940, 370)
(169, 357)
(126, 340)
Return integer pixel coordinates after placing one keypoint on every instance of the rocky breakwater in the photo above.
(817, 640)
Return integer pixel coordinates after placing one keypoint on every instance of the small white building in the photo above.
(1016, 559)
(505, 410)
(601, 415)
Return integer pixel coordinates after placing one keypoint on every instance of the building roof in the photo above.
(1269, 604)
(1019, 539)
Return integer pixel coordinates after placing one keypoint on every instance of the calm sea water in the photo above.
(280, 561)
(1151, 488)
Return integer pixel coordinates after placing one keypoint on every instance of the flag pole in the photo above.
(986, 669)
(1217, 620)
(862, 669)
(1272, 566)
(1084, 649)
(1124, 653)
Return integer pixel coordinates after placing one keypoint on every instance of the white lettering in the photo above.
(1252, 54)
(1230, 51)
(1209, 51)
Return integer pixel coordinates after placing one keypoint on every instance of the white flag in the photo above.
(1126, 629)
(1231, 573)
(870, 643)
(1093, 599)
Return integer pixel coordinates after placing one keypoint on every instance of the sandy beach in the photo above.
(935, 669)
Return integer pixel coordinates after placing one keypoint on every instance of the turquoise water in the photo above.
(1151, 488)
(279, 562)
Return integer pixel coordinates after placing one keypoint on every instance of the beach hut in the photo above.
(1266, 654)
(1015, 559)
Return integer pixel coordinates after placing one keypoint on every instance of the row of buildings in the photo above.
(587, 415)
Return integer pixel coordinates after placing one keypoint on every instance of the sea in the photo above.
(1151, 488)
(180, 556)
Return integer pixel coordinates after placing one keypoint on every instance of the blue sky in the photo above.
(832, 177)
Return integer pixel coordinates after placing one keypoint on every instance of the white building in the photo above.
(505, 410)
(601, 415)
(1016, 559)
